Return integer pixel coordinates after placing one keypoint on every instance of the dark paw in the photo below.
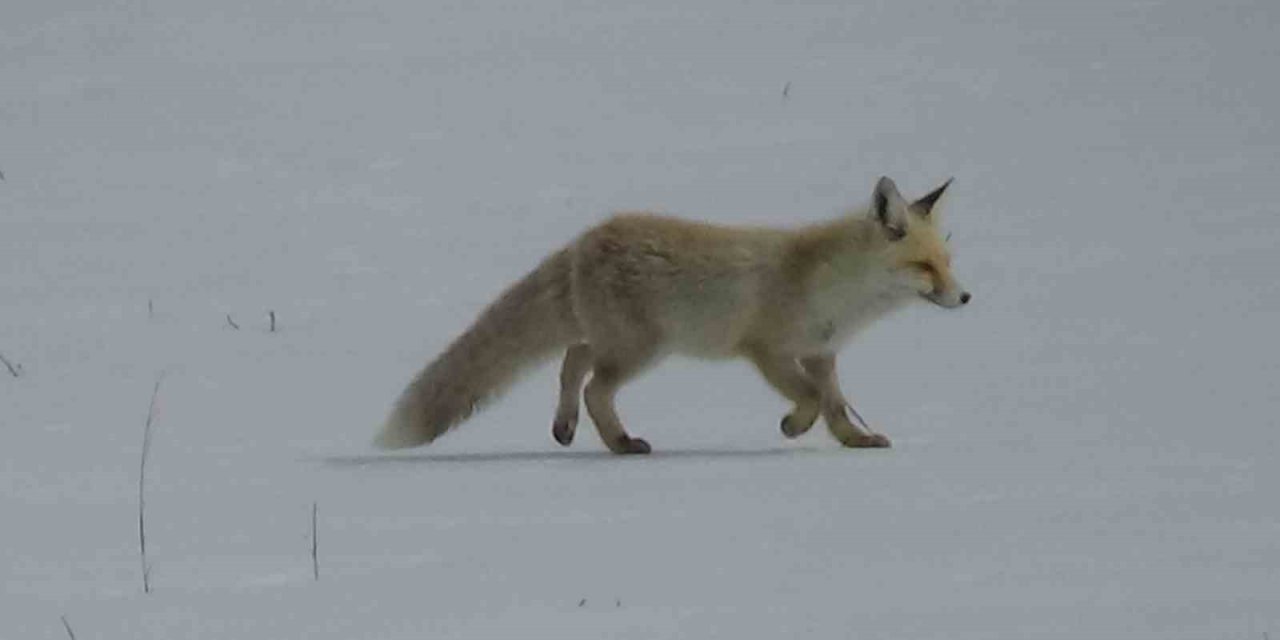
(867, 441)
(799, 421)
(628, 445)
(790, 428)
(562, 431)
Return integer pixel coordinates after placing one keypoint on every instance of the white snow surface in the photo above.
(1088, 450)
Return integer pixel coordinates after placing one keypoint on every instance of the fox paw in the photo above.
(628, 445)
(562, 431)
(867, 441)
(794, 427)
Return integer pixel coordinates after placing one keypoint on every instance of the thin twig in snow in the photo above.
(786, 89)
(142, 478)
(67, 625)
(15, 370)
(315, 543)
(272, 314)
(151, 308)
(232, 323)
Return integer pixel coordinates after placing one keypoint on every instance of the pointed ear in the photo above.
(889, 208)
(925, 206)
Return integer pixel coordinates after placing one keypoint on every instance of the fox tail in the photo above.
(529, 323)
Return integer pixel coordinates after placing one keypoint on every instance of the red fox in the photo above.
(639, 286)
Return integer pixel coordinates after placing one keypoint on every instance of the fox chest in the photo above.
(831, 321)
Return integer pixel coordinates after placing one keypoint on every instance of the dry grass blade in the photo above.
(142, 481)
(315, 543)
(14, 370)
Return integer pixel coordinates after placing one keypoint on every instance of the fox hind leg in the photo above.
(577, 363)
(610, 372)
(822, 370)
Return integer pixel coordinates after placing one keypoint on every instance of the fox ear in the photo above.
(925, 206)
(889, 208)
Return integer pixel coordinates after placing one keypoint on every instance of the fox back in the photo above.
(713, 291)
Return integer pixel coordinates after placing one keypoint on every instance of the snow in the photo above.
(1088, 450)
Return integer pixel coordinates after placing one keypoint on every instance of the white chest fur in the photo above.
(841, 307)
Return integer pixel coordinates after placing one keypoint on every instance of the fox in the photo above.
(641, 286)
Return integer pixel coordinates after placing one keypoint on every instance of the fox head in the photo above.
(915, 249)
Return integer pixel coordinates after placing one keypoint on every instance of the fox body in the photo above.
(640, 286)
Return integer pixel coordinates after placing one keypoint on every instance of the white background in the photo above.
(1088, 450)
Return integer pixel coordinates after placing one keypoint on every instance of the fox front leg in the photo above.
(822, 370)
(786, 377)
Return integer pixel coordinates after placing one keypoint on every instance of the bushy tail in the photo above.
(529, 323)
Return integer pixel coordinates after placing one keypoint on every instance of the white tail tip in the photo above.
(398, 433)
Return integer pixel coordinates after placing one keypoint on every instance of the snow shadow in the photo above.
(552, 456)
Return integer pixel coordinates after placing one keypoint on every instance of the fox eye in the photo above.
(925, 267)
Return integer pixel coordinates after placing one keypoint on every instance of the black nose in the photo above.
(964, 298)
